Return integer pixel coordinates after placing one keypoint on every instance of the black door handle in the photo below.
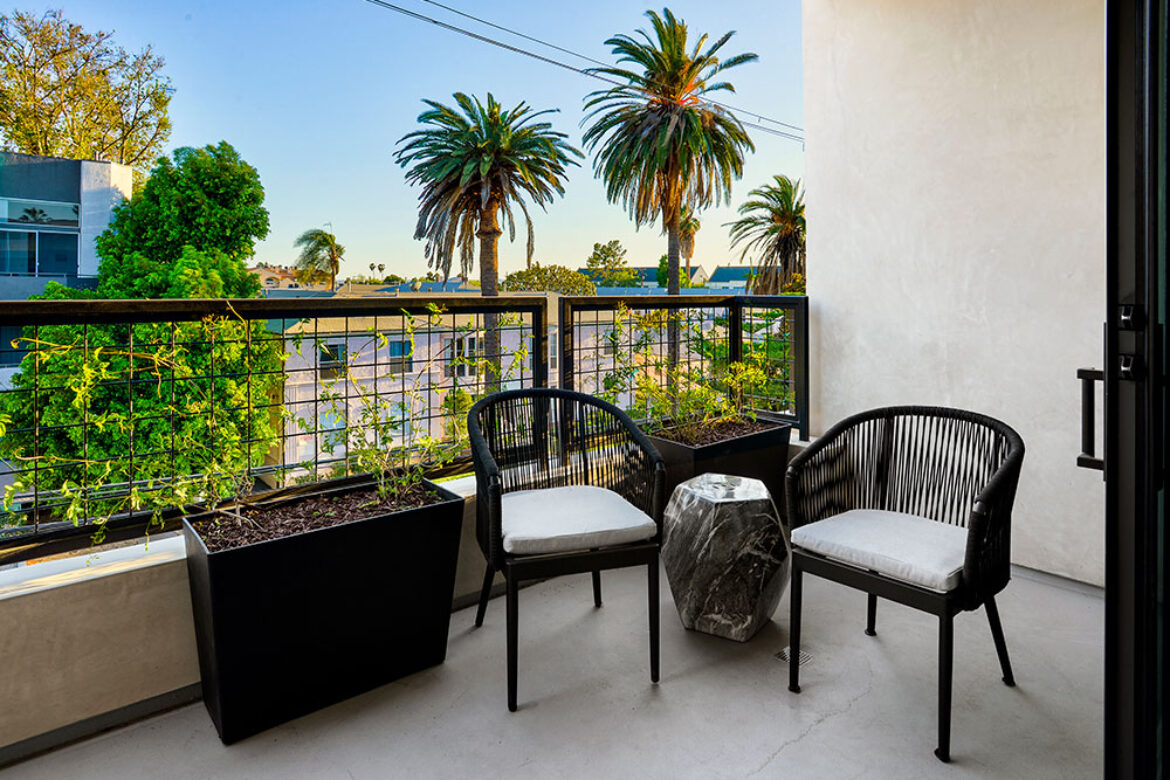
(1088, 458)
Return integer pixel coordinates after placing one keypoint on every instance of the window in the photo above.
(332, 430)
(9, 355)
(609, 342)
(18, 252)
(331, 359)
(39, 212)
(57, 254)
(552, 351)
(461, 354)
(399, 351)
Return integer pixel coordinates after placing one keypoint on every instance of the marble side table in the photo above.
(726, 555)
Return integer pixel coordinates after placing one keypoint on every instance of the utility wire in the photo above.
(550, 61)
(517, 33)
(587, 58)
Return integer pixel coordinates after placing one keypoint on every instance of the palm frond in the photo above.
(772, 227)
(473, 162)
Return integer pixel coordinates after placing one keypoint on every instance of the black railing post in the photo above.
(540, 344)
(735, 329)
(566, 329)
(800, 336)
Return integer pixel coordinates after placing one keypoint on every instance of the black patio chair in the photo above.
(566, 483)
(912, 504)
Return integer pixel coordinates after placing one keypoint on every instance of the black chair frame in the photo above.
(569, 429)
(860, 463)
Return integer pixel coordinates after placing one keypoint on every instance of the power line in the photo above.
(550, 61)
(587, 58)
(517, 33)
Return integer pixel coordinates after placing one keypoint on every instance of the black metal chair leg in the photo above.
(946, 657)
(652, 593)
(794, 632)
(871, 616)
(597, 589)
(1005, 663)
(513, 625)
(484, 594)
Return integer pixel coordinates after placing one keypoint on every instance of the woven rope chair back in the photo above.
(924, 461)
(543, 440)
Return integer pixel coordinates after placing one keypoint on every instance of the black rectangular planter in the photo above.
(762, 455)
(288, 626)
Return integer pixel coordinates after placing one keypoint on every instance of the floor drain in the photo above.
(785, 654)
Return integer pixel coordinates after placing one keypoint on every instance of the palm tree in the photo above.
(661, 144)
(475, 163)
(688, 225)
(772, 223)
(320, 256)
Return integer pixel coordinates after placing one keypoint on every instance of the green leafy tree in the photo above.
(661, 146)
(70, 93)
(607, 266)
(320, 257)
(663, 274)
(549, 278)
(771, 225)
(159, 403)
(209, 200)
(474, 164)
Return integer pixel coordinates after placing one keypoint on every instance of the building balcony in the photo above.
(108, 683)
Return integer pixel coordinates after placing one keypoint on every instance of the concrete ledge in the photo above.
(90, 727)
(90, 636)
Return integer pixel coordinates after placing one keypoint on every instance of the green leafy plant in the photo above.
(118, 436)
(380, 436)
(688, 399)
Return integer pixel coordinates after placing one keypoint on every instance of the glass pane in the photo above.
(39, 212)
(17, 252)
(57, 254)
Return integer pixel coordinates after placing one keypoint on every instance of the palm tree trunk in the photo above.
(672, 288)
(673, 250)
(489, 285)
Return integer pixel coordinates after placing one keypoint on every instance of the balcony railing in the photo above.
(616, 344)
(120, 409)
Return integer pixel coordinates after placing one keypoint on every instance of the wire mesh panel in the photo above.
(117, 411)
(657, 355)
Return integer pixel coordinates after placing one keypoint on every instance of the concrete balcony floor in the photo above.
(722, 709)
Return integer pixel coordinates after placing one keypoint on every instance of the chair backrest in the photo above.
(543, 438)
(927, 461)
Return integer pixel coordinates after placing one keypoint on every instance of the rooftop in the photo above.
(730, 273)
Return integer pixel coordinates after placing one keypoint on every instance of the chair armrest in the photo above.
(987, 562)
(801, 497)
(488, 492)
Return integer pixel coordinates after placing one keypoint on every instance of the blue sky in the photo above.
(315, 95)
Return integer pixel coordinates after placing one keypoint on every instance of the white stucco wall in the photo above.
(955, 205)
(103, 186)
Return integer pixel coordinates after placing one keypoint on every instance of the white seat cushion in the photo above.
(570, 518)
(905, 547)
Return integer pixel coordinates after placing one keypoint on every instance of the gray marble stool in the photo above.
(726, 555)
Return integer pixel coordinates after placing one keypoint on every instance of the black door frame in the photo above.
(1134, 388)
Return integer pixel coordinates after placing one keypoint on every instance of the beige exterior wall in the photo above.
(94, 645)
(93, 635)
(955, 204)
